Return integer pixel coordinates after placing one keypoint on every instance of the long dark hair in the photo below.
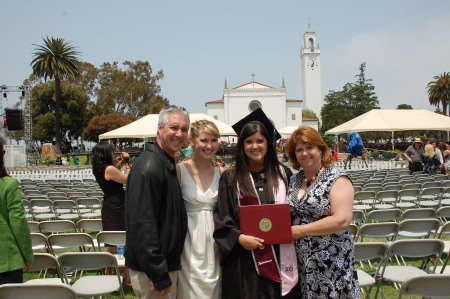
(102, 156)
(271, 163)
(3, 171)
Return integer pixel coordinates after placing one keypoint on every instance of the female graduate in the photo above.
(250, 268)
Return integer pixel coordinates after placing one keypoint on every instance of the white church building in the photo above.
(237, 102)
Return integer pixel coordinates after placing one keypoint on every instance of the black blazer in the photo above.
(155, 217)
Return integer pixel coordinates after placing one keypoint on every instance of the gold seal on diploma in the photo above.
(265, 225)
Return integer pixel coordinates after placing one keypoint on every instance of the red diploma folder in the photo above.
(269, 222)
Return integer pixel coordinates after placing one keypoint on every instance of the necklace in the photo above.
(308, 182)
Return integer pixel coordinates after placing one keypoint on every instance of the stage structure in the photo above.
(31, 150)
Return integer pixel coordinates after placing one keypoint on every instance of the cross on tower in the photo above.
(253, 76)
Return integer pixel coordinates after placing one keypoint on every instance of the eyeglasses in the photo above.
(175, 107)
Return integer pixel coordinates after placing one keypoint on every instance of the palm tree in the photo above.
(439, 91)
(58, 60)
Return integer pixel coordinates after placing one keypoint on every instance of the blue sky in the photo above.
(200, 43)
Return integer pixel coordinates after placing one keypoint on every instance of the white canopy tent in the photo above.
(146, 127)
(393, 120)
(287, 130)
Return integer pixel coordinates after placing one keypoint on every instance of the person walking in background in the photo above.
(321, 197)
(414, 154)
(257, 178)
(200, 275)
(15, 250)
(111, 180)
(155, 215)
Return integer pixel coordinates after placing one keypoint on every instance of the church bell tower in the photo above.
(310, 60)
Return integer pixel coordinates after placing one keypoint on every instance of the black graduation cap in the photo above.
(257, 115)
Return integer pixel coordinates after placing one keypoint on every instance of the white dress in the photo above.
(200, 275)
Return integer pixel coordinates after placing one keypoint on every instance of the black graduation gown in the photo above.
(239, 276)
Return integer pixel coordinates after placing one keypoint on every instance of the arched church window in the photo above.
(311, 43)
(254, 105)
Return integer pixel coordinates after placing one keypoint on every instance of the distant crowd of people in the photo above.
(433, 157)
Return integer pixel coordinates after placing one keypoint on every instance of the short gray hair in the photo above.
(163, 114)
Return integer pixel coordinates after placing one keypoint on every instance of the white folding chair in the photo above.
(33, 226)
(42, 263)
(90, 226)
(385, 199)
(430, 183)
(358, 216)
(115, 238)
(42, 209)
(70, 241)
(57, 226)
(423, 250)
(383, 230)
(430, 197)
(384, 215)
(369, 252)
(66, 209)
(407, 198)
(443, 213)
(352, 230)
(428, 285)
(93, 285)
(37, 291)
(445, 231)
(418, 228)
(40, 242)
(89, 207)
(419, 213)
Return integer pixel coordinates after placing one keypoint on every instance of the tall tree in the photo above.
(439, 91)
(404, 106)
(132, 90)
(59, 60)
(87, 79)
(355, 99)
(105, 123)
(76, 110)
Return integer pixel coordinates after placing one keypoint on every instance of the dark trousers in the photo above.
(415, 166)
(14, 276)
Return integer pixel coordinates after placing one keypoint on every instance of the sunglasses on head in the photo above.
(173, 107)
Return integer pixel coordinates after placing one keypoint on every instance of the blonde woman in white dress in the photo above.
(200, 275)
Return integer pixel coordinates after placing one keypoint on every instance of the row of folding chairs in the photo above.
(409, 228)
(397, 186)
(39, 209)
(91, 285)
(393, 177)
(434, 197)
(397, 263)
(53, 193)
(61, 226)
(396, 214)
(55, 181)
(83, 242)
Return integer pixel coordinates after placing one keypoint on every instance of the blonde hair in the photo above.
(429, 151)
(203, 125)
